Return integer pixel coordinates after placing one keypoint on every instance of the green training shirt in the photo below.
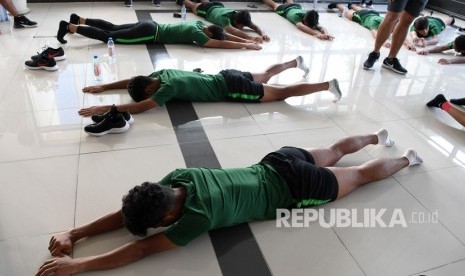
(436, 26)
(190, 32)
(220, 16)
(188, 86)
(371, 21)
(219, 198)
(294, 14)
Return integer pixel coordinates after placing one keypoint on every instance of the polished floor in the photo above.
(54, 176)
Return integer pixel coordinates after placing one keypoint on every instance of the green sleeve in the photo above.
(165, 93)
(187, 228)
(200, 37)
(166, 181)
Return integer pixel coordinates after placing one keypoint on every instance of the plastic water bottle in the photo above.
(3, 14)
(111, 49)
(183, 13)
(97, 68)
(314, 4)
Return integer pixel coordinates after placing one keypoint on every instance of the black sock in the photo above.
(437, 101)
(458, 101)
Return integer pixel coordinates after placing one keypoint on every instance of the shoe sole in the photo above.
(54, 68)
(336, 84)
(24, 26)
(58, 58)
(111, 131)
(130, 121)
(393, 69)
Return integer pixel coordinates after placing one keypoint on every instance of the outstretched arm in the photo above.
(63, 243)
(225, 44)
(123, 255)
(437, 49)
(259, 32)
(236, 32)
(310, 31)
(445, 61)
(130, 107)
(109, 86)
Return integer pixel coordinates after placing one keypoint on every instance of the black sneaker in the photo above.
(114, 123)
(332, 6)
(372, 58)
(394, 65)
(128, 3)
(100, 117)
(461, 30)
(42, 62)
(74, 19)
(62, 31)
(51, 53)
(156, 3)
(369, 4)
(22, 21)
(437, 101)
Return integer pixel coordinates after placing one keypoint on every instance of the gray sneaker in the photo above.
(372, 58)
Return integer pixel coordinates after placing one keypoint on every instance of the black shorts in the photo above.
(412, 7)
(357, 16)
(241, 87)
(310, 185)
(203, 8)
(282, 9)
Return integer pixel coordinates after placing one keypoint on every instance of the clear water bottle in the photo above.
(97, 68)
(183, 13)
(111, 49)
(315, 2)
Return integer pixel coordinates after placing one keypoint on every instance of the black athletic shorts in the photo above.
(310, 185)
(241, 87)
(203, 8)
(412, 7)
(357, 16)
(282, 9)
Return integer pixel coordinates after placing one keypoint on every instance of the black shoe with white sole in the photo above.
(100, 117)
(42, 62)
(370, 61)
(114, 123)
(22, 21)
(393, 64)
(49, 52)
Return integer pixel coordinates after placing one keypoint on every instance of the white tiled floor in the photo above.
(55, 176)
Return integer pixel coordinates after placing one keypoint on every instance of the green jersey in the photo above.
(371, 21)
(188, 86)
(190, 32)
(295, 14)
(217, 198)
(220, 16)
(436, 26)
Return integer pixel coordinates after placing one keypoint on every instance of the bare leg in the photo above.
(278, 93)
(192, 6)
(10, 7)
(457, 113)
(385, 29)
(399, 34)
(351, 178)
(329, 156)
(271, 4)
(273, 70)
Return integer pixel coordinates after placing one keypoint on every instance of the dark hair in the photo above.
(459, 43)
(243, 18)
(217, 32)
(136, 87)
(312, 17)
(145, 206)
(421, 23)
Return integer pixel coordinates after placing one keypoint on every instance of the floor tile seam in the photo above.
(38, 158)
(429, 211)
(130, 148)
(431, 269)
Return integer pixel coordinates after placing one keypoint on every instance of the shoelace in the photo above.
(43, 49)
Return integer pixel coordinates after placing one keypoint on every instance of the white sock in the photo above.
(301, 65)
(412, 156)
(383, 138)
(334, 88)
